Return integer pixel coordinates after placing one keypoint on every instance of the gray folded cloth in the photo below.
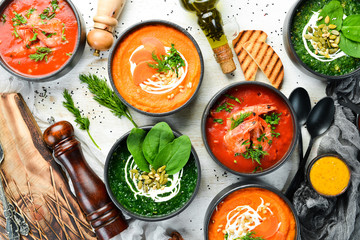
(336, 218)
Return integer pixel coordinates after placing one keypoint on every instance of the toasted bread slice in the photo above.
(268, 61)
(248, 66)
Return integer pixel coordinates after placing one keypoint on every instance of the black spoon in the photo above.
(318, 122)
(300, 101)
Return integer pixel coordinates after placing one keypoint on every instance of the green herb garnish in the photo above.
(41, 54)
(273, 119)
(106, 96)
(63, 36)
(29, 12)
(3, 18)
(255, 153)
(236, 122)
(262, 138)
(275, 134)
(246, 142)
(233, 98)
(225, 106)
(15, 33)
(49, 35)
(54, 5)
(250, 236)
(50, 13)
(218, 120)
(83, 122)
(257, 169)
(165, 63)
(33, 38)
(18, 19)
(69, 54)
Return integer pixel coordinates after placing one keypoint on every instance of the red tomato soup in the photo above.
(250, 129)
(37, 37)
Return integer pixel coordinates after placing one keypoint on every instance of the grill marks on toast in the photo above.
(268, 61)
(247, 64)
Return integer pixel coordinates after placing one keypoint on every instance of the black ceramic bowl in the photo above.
(214, 100)
(311, 165)
(121, 142)
(133, 29)
(67, 66)
(242, 185)
(289, 46)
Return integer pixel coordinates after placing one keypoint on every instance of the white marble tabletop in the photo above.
(45, 99)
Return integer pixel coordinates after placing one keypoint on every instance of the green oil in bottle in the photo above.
(210, 22)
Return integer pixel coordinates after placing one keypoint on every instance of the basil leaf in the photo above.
(335, 11)
(349, 47)
(134, 144)
(174, 155)
(351, 28)
(157, 138)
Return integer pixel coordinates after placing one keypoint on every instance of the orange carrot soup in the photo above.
(156, 68)
(254, 212)
(250, 129)
(37, 37)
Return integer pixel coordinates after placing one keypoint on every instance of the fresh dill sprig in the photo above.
(105, 96)
(82, 122)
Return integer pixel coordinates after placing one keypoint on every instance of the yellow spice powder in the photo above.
(329, 175)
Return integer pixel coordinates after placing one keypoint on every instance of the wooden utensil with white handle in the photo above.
(101, 37)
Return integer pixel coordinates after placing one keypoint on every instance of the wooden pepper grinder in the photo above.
(101, 37)
(90, 191)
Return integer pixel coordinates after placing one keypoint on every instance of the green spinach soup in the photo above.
(326, 37)
(155, 202)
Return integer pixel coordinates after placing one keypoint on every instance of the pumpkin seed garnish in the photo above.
(335, 32)
(156, 179)
(325, 38)
(327, 19)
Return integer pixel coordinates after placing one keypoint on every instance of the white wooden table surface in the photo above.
(106, 129)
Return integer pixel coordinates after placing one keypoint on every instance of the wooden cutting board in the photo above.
(32, 179)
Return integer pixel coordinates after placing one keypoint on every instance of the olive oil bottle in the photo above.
(210, 22)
